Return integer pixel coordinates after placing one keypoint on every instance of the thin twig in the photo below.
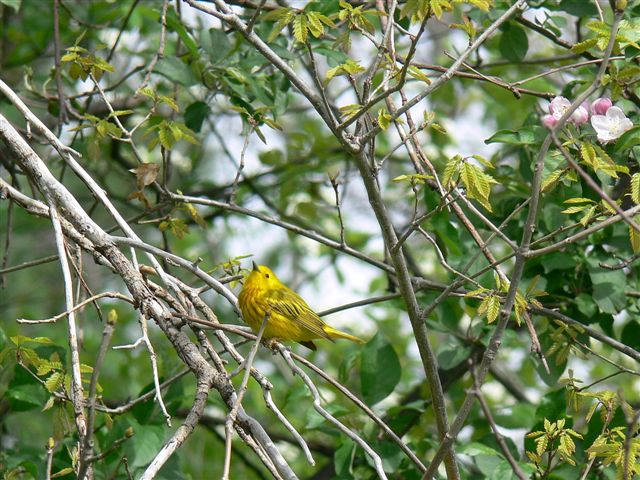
(605, 426)
(160, 53)
(592, 183)
(592, 332)
(256, 14)
(365, 408)
(120, 409)
(317, 405)
(233, 413)
(443, 261)
(234, 185)
(78, 307)
(334, 183)
(113, 447)
(144, 339)
(521, 258)
(62, 114)
(77, 395)
(359, 303)
(107, 333)
(582, 234)
(445, 76)
(50, 446)
(504, 448)
(7, 245)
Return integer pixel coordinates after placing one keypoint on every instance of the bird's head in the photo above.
(262, 276)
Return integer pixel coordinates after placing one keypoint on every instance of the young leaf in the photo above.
(379, 369)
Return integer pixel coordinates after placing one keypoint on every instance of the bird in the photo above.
(289, 316)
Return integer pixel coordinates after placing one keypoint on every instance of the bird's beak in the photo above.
(255, 267)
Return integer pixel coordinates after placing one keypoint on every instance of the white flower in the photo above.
(557, 108)
(611, 126)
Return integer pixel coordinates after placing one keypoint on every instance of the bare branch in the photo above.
(77, 391)
(286, 354)
(78, 307)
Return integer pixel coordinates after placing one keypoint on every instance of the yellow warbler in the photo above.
(290, 316)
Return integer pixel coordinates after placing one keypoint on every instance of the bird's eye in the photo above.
(266, 275)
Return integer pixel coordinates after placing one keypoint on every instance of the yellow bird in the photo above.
(290, 316)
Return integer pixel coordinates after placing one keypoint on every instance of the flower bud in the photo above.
(549, 121)
(579, 116)
(601, 105)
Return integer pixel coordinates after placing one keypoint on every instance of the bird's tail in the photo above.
(335, 334)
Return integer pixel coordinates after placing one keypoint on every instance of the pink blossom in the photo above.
(558, 106)
(611, 126)
(579, 116)
(601, 105)
(549, 121)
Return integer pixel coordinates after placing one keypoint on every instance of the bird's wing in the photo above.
(289, 304)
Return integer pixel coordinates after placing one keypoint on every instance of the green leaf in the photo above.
(630, 334)
(451, 354)
(144, 445)
(21, 339)
(317, 21)
(474, 449)
(608, 291)
(176, 70)
(379, 369)
(588, 216)
(334, 57)
(384, 118)
(26, 397)
(418, 74)
(493, 467)
(342, 459)
(493, 308)
(62, 473)
(54, 381)
(576, 209)
(451, 169)
(280, 24)
(634, 237)
(415, 10)
(578, 8)
(278, 14)
(477, 183)
(635, 188)
(195, 115)
(514, 42)
(588, 154)
(579, 200)
(529, 135)
(301, 28)
(519, 415)
(350, 67)
(628, 139)
(583, 46)
(174, 23)
(169, 101)
(390, 453)
(439, 7)
(416, 178)
(15, 4)
(215, 42)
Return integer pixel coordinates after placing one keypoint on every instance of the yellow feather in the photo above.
(291, 318)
